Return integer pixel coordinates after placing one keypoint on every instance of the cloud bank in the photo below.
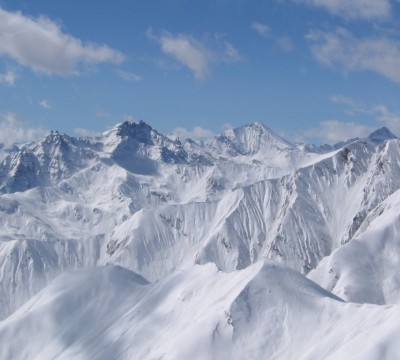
(341, 48)
(41, 45)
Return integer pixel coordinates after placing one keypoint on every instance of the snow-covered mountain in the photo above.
(109, 242)
(379, 136)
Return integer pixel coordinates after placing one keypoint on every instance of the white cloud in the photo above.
(227, 126)
(388, 118)
(262, 29)
(353, 107)
(283, 41)
(197, 133)
(377, 54)
(14, 130)
(45, 104)
(192, 53)
(343, 100)
(354, 9)
(86, 132)
(8, 78)
(333, 131)
(380, 112)
(231, 52)
(128, 76)
(129, 118)
(41, 45)
(187, 51)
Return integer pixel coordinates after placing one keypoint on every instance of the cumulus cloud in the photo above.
(353, 9)
(45, 104)
(197, 133)
(40, 44)
(128, 76)
(14, 130)
(188, 51)
(8, 78)
(333, 131)
(193, 54)
(342, 48)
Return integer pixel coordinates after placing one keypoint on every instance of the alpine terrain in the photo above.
(137, 245)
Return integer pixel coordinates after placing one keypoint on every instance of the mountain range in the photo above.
(137, 245)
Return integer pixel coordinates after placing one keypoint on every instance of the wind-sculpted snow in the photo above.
(174, 212)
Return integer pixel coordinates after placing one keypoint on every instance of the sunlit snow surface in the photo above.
(134, 245)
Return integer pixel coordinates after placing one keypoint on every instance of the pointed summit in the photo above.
(381, 135)
(252, 138)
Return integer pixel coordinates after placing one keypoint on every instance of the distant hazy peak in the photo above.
(251, 139)
(256, 128)
(381, 135)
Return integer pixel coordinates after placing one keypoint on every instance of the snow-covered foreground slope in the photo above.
(367, 269)
(200, 221)
(264, 311)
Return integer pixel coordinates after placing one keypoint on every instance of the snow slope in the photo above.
(297, 219)
(367, 269)
(201, 313)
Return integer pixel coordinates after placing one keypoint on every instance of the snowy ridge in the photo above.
(200, 221)
(366, 269)
(200, 313)
(57, 157)
(297, 219)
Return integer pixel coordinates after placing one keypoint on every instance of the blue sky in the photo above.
(312, 70)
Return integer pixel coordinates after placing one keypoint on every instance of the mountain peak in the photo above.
(256, 126)
(265, 130)
(381, 135)
(55, 137)
(140, 131)
(251, 138)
